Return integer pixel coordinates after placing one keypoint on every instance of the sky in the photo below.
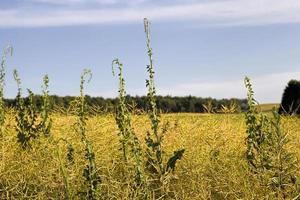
(201, 47)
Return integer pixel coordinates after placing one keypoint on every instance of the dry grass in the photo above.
(267, 107)
(213, 166)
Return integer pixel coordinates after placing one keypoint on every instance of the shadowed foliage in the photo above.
(290, 102)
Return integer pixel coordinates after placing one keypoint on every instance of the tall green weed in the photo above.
(267, 152)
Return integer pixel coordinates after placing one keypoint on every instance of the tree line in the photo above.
(290, 102)
(167, 104)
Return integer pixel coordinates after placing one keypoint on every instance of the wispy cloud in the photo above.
(267, 88)
(212, 13)
(58, 2)
(85, 2)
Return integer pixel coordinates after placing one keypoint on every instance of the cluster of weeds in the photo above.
(30, 123)
(26, 118)
(267, 152)
(151, 168)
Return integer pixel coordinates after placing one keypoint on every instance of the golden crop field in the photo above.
(213, 165)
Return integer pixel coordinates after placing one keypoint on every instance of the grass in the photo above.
(267, 107)
(213, 166)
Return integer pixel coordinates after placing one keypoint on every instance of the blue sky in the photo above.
(201, 47)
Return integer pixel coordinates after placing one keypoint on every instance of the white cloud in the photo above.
(229, 12)
(86, 2)
(267, 88)
(58, 2)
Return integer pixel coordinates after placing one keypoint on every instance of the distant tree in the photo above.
(166, 104)
(290, 102)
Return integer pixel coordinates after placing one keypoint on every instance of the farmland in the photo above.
(145, 154)
(213, 166)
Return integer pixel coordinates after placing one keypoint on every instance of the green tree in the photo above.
(290, 102)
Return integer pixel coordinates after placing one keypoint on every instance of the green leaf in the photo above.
(172, 161)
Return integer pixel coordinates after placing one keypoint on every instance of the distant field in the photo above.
(213, 165)
(268, 107)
